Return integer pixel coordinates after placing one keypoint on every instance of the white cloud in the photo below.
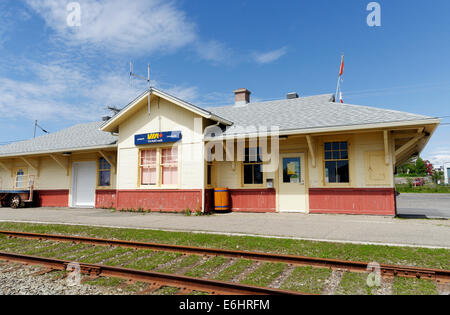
(69, 91)
(143, 26)
(189, 94)
(64, 91)
(271, 56)
(439, 157)
(213, 51)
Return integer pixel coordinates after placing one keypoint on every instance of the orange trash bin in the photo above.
(221, 199)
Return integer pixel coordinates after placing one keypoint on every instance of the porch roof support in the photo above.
(60, 163)
(312, 150)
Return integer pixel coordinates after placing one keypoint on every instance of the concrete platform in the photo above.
(336, 228)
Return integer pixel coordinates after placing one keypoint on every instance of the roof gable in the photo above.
(112, 124)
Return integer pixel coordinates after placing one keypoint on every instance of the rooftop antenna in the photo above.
(134, 75)
(36, 125)
(113, 109)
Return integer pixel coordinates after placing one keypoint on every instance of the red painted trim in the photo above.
(52, 198)
(105, 199)
(253, 200)
(164, 200)
(371, 201)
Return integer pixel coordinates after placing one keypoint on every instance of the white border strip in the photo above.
(230, 234)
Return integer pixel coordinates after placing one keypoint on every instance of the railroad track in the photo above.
(438, 275)
(155, 280)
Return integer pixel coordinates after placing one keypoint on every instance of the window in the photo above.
(148, 167)
(336, 162)
(104, 173)
(253, 174)
(159, 166)
(169, 165)
(291, 171)
(21, 178)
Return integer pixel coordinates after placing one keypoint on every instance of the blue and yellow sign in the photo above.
(158, 137)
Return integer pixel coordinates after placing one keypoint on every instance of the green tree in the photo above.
(438, 176)
(420, 169)
(408, 169)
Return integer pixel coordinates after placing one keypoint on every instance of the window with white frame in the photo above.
(169, 165)
(149, 166)
(21, 178)
(159, 167)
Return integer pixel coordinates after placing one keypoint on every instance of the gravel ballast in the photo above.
(22, 280)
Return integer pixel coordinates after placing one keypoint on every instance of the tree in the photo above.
(429, 167)
(438, 176)
(421, 169)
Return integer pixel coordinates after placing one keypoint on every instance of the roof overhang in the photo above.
(332, 129)
(113, 124)
(94, 148)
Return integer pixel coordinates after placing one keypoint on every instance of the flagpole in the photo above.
(339, 79)
(337, 89)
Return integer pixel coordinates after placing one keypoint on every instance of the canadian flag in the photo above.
(340, 98)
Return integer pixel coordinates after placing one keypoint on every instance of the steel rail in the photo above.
(355, 266)
(155, 279)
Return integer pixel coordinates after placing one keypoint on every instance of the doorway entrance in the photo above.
(292, 183)
(83, 184)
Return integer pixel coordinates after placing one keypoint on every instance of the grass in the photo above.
(410, 286)
(106, 282)
(16, 244)
(154, 261)
(114, 283)
(46, 250)
(82, 254)
(307, 279)
(438, 189)
(65, 252)
(113, 252)
(183, 263)
(424, 257)
(264, 275)
(129, 257)
(234, 270)
(166, 291)
(354, 284)
(207, 267)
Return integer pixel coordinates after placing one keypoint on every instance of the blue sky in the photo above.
(202, 50)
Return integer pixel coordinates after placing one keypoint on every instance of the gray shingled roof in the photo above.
(307, 113)
(296, 114)
(76, 137)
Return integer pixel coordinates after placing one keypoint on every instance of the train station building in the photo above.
(160, 153)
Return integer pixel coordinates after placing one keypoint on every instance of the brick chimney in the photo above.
(242, 96)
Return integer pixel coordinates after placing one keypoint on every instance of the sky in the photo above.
(61, 73)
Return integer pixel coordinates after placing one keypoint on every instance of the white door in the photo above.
(292, 188)
(84, 175)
